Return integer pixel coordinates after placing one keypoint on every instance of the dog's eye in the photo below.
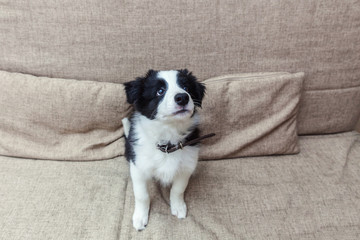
(160, 92)
(185, 88)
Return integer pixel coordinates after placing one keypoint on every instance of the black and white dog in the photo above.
(165, 116)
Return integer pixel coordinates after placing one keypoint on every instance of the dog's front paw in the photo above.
(140, 220)
(178, 209)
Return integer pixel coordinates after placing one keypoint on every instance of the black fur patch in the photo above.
(194, 134)
(129, 151)
(189, 83)
(129, 142)
(142, 93)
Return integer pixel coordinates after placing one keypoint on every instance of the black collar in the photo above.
(169, 147)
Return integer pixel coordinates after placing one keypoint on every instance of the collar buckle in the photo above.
(163, 148)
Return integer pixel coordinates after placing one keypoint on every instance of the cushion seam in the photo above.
(330, 89)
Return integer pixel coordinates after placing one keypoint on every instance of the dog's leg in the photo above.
(142, 199)
(178, 206)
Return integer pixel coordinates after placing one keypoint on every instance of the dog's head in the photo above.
(165, 95)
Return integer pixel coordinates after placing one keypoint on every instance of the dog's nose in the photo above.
(182, 99)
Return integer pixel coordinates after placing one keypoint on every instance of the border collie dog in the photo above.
(165, 115)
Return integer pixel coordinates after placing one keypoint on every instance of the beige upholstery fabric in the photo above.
(63, 119)
(60, 119)
(327, 111)
(251, 114)
(312, 195)
(119, 40)
(42, 200)
(358, 126)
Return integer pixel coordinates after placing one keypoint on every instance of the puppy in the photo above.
(165, 117)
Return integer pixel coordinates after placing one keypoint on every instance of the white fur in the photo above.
(126, 124)
(154, 163)
(174, 168)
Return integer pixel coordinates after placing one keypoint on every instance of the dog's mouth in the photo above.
(182, 111)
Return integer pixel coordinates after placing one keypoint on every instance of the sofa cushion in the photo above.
(251, 114)
(61, 199)
(64, 119)
(311, 195)
(329, 110)
(60, 119)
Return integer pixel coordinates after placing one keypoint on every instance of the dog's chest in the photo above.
(155, 163)
(163, 166)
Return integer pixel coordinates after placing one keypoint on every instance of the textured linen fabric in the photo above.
(60, 119)
(312, 195)
(43, 200)
(251, 114)
(327, 111)
(117, 41)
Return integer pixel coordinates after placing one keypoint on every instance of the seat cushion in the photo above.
(61, 200)
(312, 195)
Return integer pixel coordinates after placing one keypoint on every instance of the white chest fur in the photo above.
(154, 163)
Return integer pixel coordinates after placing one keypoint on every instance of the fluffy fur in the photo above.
(165, 112)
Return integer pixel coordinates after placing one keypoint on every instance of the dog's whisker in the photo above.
(152, 115)
(197, 102)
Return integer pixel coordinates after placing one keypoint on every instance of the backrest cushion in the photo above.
(60, 119)
(63, 119)
(251, 114)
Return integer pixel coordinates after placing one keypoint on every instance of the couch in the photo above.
(63, 171)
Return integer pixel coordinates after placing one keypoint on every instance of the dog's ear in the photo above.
(133, 89)
(197, 90)
(150, 73)
(184, 72)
